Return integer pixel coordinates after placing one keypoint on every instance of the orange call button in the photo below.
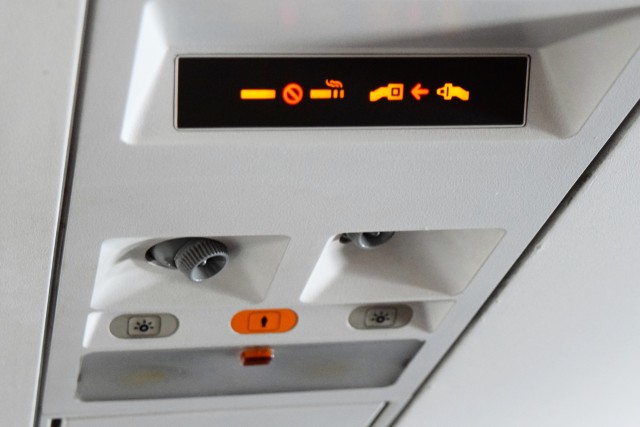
(264, 321)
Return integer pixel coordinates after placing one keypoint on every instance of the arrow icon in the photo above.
(417, 91)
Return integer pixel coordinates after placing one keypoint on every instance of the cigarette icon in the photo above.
(335, 91)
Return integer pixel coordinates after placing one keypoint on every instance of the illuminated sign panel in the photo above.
(285, 92)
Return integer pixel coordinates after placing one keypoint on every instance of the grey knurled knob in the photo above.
(369, 240)
(200, 259)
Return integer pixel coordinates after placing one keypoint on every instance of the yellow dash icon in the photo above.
(257, 94)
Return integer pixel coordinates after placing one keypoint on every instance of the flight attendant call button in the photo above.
(264, 321)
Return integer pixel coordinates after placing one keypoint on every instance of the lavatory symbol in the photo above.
(449, 91)
(264, 321)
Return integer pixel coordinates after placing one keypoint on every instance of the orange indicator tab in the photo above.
(253, 356)
(264, 321)
(258, 94)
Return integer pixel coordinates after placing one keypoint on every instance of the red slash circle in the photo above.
(292, 93)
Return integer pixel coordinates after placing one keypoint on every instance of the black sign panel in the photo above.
(346, 92)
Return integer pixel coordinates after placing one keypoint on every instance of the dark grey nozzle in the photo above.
(197, 257)
(368, 240)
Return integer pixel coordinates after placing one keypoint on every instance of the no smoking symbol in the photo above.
(292, 93)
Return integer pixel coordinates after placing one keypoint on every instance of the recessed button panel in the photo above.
(144, 325)
(380, 316)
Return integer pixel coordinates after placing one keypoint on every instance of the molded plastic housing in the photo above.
(411, 266)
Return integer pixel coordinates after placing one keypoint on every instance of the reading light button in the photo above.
(264, 321)
(380, 316)
(141, 325)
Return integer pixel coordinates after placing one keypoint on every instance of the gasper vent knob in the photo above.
(368, 240)
(198, 258)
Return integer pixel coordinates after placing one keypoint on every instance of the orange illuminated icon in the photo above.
(292, 94)
(264, 321)
(419, 91)
(255, 94)
(336, 91)
(392, 91)
(449, 91)
(253, 356)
